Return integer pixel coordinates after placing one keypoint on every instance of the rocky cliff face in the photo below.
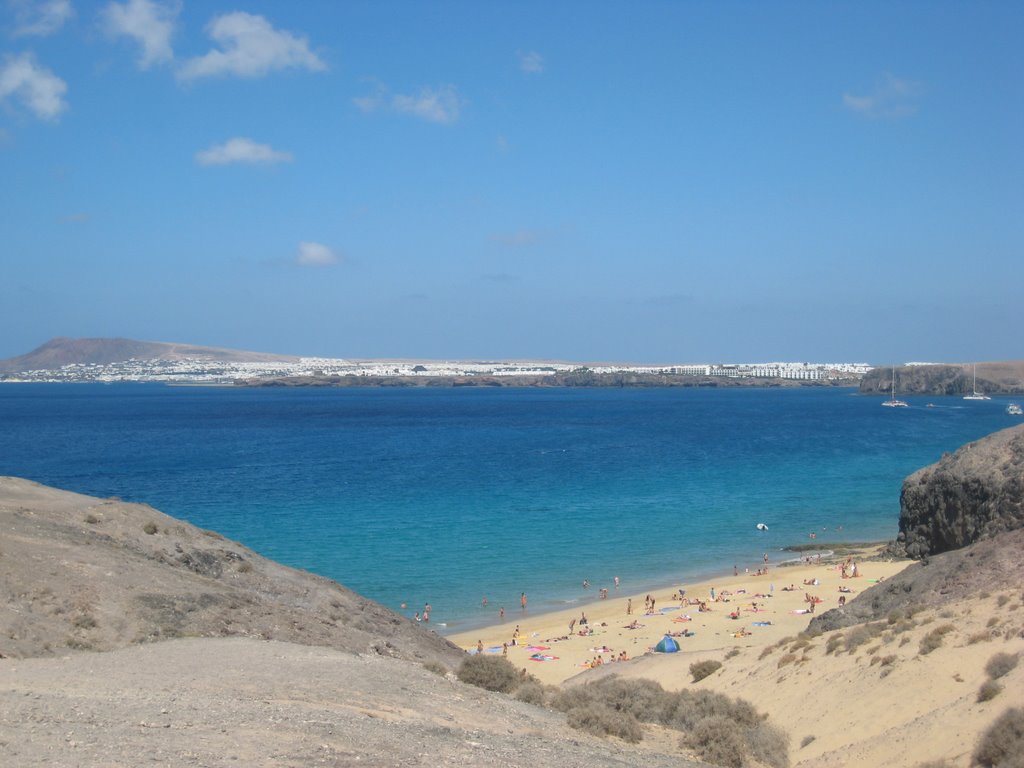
(976, 493)
(992, 378)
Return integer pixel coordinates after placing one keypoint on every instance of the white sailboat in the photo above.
(892, 402)
(975, 394)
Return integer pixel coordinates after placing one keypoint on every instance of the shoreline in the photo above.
(765, 609)
(698, 576)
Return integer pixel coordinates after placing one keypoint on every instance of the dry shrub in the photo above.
(767, 651)
(833, 643)
(768, 745)
(933, 639)
(1001, 664)
(716, 741)
(701, 669)
(608, 702)
(979, 637)
(989, 690)
(856, 637)
(1003, 743)
(733, 653)
(1002, 600)
(91, 519)
(802, 642)
(493, 673)
(993, 620)
(150, 528)
(789, 658)
(532, 692)
(604, 721)
(436, 667)
(806, 740)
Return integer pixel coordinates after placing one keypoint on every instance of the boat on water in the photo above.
(1014, 410)
(975, 394)
(892, 402)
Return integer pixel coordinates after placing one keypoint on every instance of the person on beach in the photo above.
(479, 646)
(586, 584)
(583, 619)
(501, 613)
(416, 617)
(629, 606)
(504, 649)
(572, 626)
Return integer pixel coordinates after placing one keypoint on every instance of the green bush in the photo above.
(1003, 742)
(701, 669)
(493, 673)
(601, 720)
(1001, 664)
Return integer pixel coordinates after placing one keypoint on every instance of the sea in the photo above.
(468, 498)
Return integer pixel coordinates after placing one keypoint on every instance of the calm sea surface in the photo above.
(442, 495)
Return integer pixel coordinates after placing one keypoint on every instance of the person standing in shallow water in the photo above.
(522, 600)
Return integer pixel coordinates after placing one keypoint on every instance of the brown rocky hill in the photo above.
(992, 378)
(62, 351)
(973, 494)
(85, 573)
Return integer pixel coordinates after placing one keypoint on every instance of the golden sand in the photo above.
(766, 613)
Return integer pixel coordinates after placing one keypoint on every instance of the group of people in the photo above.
(598, 660)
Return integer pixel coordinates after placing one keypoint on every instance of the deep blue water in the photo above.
(442, 495)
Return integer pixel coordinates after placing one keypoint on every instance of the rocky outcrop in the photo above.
(973, 494)
(992, 378)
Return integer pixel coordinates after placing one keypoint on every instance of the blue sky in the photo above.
(654, 182)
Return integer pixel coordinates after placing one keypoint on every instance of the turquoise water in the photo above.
(448, 495)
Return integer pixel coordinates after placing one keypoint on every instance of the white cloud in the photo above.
(149, 23)
(439, 105)
(39, 18)
(241, 150)
(250, 47)
(435, 105)
(315, 255)
(891, 97)
(530, 62)
(36, 87)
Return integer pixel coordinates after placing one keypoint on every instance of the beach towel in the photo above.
(800, 611)
(762, 623)
(538, 647)
(669, 609)
(543, 657)
(681, 619)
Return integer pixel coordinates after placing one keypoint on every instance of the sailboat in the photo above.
(975, 394)
(892, 402)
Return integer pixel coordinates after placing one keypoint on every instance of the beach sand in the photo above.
(779, 613)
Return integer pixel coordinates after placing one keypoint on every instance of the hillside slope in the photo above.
(86, 573)
(61, 351)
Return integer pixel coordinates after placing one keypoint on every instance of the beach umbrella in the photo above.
(667, 645)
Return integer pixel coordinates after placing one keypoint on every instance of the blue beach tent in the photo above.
(667, 645)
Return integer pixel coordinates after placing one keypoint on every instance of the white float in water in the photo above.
(762, 527)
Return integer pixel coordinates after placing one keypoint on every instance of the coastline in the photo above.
(766, 612)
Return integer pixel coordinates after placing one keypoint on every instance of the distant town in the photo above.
(212, 372)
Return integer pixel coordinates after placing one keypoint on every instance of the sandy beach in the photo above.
(746, 611)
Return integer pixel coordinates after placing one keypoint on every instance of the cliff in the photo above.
(973, 494)
(992, 378)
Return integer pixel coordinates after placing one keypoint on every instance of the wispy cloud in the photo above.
(518, 239)
(435, 105)
(891, 97)
(35, 86)
(315, 255)
(241, 150)
(250, 47)
(502, 144)
(147, 22)
(40, 18)
(530, 62)
(75, 218)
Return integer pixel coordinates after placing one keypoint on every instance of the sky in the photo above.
(592, 181)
